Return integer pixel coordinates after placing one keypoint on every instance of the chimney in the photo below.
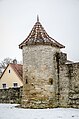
(14, 61)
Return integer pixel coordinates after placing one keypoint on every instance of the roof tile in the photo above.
(39, 36)
(18, 68)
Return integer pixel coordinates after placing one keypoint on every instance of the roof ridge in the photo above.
(16, 64)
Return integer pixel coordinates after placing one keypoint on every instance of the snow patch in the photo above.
(9, 111)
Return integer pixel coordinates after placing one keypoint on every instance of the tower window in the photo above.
(50, 81)
(26, 81)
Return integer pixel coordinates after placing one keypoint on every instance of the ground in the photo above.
(9, 111)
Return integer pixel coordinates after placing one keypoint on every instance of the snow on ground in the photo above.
(9, 111)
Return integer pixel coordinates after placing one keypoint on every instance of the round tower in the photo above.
(39, 69)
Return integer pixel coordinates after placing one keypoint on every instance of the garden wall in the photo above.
(11, 95)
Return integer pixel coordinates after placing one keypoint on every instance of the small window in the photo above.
(15, 85)
(9, 71)
(4, 85)
(50, 81)
(26, 81)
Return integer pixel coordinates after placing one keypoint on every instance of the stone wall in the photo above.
(62, 80)
(63, 86)
(68, 84)
(11, 95)
(73, 85)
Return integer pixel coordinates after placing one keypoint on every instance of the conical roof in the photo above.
(38, 36)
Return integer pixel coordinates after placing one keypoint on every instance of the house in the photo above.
(49, 79)
(12, 76)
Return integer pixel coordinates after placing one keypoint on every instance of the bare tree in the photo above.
(4, 63)
(0, 72)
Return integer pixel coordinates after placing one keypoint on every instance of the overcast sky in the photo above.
(60, 19)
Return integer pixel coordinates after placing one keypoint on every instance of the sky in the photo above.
(60, 19)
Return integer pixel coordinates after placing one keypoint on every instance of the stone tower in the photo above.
(40, 69)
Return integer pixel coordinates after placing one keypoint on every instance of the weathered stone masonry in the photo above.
(69, 84)
(39, 72)
(50, 80)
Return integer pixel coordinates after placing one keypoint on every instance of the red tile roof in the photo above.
(18, 68)
(39, 36)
